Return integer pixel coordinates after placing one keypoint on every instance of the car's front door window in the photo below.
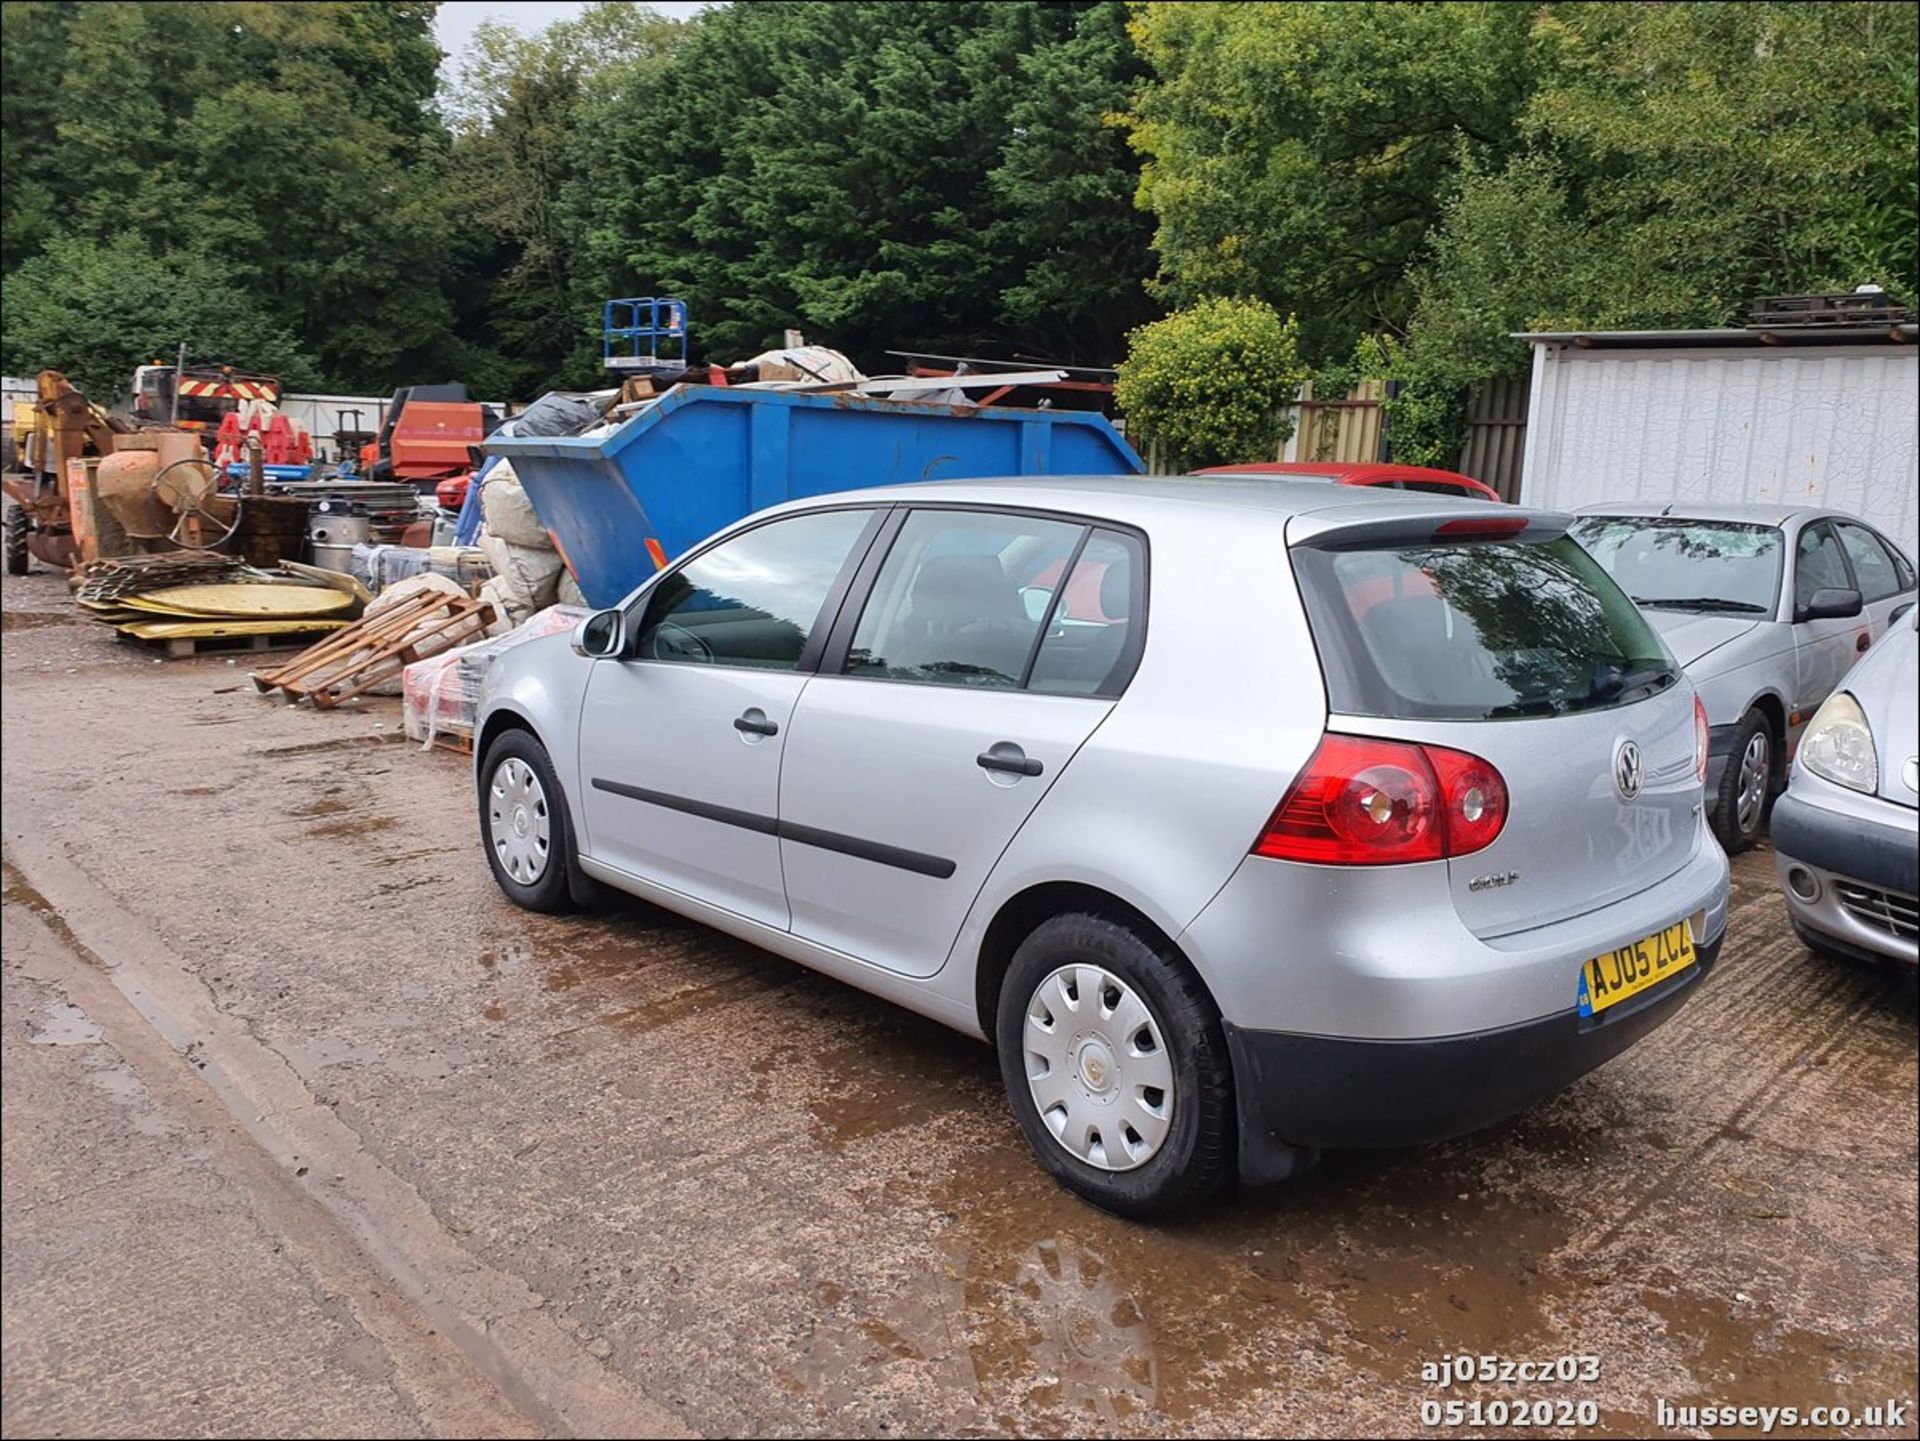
(754, 600)
(1820, 564)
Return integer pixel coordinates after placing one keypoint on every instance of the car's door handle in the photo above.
(1008, 757)
(755, 722)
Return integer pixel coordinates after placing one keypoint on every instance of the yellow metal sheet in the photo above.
(242, 601)
(206, 629)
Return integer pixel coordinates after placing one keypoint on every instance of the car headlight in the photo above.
(1838, 746)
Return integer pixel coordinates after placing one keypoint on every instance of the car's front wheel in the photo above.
(1116, 1067)
(524, 823)
(1746, 785)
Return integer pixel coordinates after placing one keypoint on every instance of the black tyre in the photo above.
(16, 539)
(1746, 786)
(524, 823)
(1116, 1067)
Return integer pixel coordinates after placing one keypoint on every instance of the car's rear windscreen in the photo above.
(1479, 630)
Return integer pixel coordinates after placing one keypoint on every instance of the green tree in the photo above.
(530, 115)
(1681, 160)
(285, 155)
(33, 38)
(97, 309)
(1301, 152)
(922, 176)
(1212, 382)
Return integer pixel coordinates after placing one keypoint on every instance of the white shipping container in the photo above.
(1823, 425)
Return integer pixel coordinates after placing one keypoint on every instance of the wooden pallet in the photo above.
(185, 647)
(352, 661)
(459, 742)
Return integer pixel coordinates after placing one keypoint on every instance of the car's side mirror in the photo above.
(598, 637)
(1830, 603)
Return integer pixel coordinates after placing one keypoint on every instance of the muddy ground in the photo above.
(456, 1169)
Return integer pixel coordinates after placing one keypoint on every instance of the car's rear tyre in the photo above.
(1746, 785)
(16, 538)
(1116, 1067)
(524, 824)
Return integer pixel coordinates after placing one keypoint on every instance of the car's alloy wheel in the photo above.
(1097, 1068)
(519, 821)
(1739, 808)
(1756, 774)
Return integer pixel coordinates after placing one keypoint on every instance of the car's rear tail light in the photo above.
(1362, 801)
(1699, 740)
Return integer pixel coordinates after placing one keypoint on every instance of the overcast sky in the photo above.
(458, 19)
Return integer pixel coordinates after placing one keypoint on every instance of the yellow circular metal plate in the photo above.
(241, 599)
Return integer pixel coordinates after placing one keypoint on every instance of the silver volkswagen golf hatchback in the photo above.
(1244, 817)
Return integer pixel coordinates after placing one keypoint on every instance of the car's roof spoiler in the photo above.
(1365, 528)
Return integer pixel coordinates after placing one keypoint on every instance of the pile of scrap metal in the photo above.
(186, 602)
(96, 485)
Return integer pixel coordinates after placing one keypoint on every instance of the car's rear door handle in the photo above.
(1008, 757)
(755, 722)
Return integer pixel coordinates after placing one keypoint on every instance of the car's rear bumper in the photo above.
(1298, 1091)
(1850, 877)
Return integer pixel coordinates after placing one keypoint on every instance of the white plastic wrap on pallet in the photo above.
(442, 692)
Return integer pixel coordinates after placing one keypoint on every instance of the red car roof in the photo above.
(1357, 472)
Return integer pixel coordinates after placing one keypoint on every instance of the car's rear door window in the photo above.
(754, 599)
(962, 598)
(1476, 630)
(1872, 566)
(1093, 632)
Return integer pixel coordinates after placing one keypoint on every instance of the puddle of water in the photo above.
(747, 985)
(854, 1098)
(349, 828)
(339, 743)
(1738, 1356)
(329, 804)
(124, 1088)
(16, 890)
(66, 1025)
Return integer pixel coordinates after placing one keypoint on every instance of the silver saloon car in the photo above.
(1845, 833)
(1245, 817)
(1767, 608)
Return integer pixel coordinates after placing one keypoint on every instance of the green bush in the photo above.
(1212, 382)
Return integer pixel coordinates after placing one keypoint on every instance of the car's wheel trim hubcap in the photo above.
(1753, 782)
(1097, 1067)
(519, 823)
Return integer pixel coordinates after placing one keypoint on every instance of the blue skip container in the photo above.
(620, 505)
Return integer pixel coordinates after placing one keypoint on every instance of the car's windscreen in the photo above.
(1674, 564)
(1478, 630)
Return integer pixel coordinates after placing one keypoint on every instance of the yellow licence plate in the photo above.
(1613, 976)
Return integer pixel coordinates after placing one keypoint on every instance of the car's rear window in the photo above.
(1480, 630)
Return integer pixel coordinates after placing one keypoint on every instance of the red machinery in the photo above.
(427, 435)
